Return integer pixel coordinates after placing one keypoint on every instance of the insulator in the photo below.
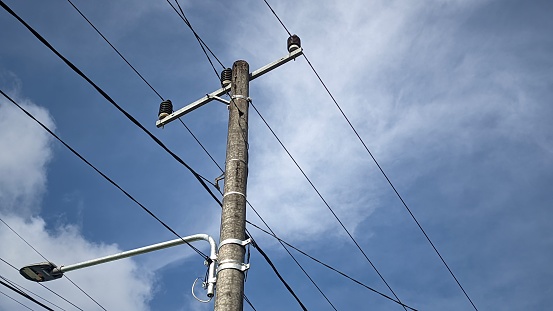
(226, 77)
(165, 109)
(294, 43)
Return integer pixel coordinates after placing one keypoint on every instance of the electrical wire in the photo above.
(39, 253)
(328, 266)
(292, 256)
(327, 204)
(379, 167)
(44, 286)
(105, 177)
(202, 43)
(1, 292)
(275, 270)
(113, 47)
(139, 74)
(22, 293)
(23, 289)
(110, 100)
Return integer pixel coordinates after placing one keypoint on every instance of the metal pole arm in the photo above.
(211, 96)
(138, 251)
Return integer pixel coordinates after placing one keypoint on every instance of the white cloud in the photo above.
(410, 89)
(25, 154)
(26, 151)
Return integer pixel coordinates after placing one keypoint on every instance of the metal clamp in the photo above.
(233, 192)
(241, 97)
(232, 264)
(235, 241)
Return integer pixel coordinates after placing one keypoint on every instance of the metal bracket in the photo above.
(224, 101)
(241, 97)
(232, 264)
(235, 241)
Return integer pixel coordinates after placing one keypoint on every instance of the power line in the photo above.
(111, 101)
(379, 167)
(21, 293)
(113, 47)
(104, 176)
(327, 205)
(1, 292)
(140, 75)
(293, 258)
(25, 289)
(328, 266)
(39, 253)
(53, 292)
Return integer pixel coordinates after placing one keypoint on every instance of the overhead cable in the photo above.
(139, 74)
(327, 204)
(380, 168)
(39, 253)
(53, 292)
(111, 101)
(328, 266)
(5, 283)
(104, 176)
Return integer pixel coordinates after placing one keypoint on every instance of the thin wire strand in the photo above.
(187, 22)
(23, 289)
(9, 284)
(326, 203)
(10, 297)
(379, 167)
(39, 253)
(136, 71)
(110, 100)
(391, 184)
(44, 286)
(293, 258)
(113, 47)
(329, 267)
(105, 176)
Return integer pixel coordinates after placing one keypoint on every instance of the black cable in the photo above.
(201, 145)
(29, 244)
(23, 289)
(103, 175)
(187, 22)
(256, 246)
(293, 258)
(110, 100)
(328, 266)
(275, 14)
(1, 292)
(391, 184)
(249, 303)
(140, 75)
(378, 165)
(23, 294)
(327, 205)
(53, 292)
(105, 39)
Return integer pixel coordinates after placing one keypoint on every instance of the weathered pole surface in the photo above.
(230, 282)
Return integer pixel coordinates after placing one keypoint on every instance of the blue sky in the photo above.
(452, 97)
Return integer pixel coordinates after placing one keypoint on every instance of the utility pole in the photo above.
(229, 291)
(230, 281)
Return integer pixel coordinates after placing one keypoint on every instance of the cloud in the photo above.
(26, 151)
(417, 97)
(25, 154)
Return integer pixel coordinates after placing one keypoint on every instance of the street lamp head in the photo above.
(293, 43)
(41, 272)
(165, 109)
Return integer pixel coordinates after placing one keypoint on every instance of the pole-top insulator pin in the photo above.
(294, 43)
(165, 109)
(226, 77)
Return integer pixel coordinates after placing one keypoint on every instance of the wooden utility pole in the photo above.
(230, 278)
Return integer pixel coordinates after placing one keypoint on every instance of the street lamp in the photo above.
(47, 271)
